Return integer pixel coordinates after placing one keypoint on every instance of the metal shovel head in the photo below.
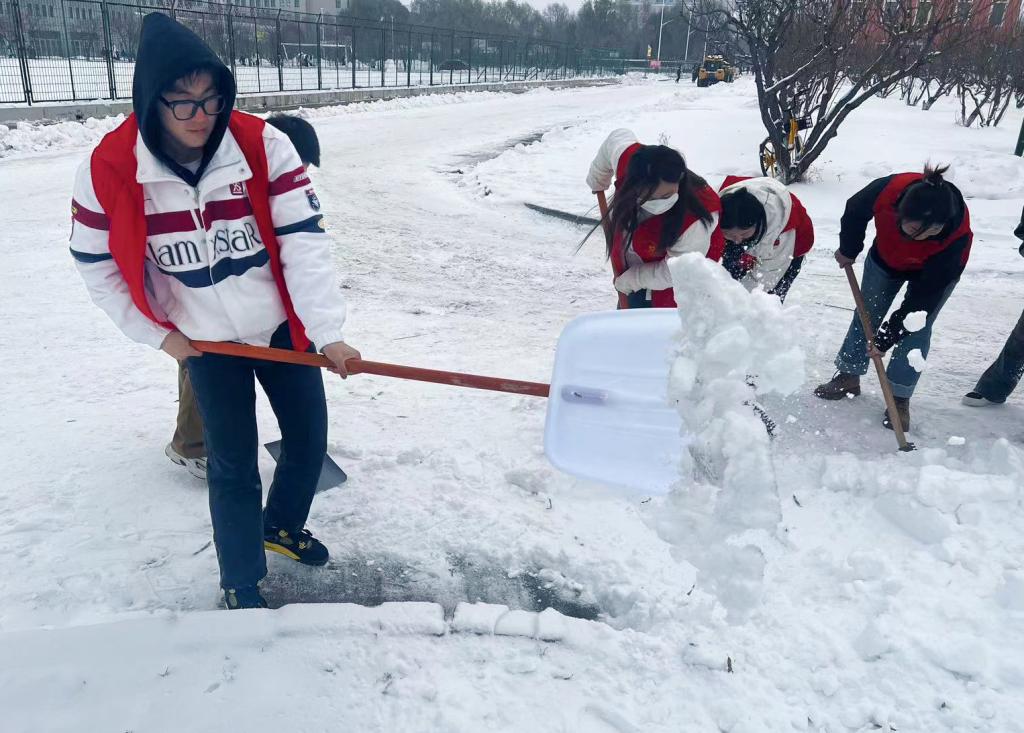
(583, 221)
(609, 415)
(331, 474)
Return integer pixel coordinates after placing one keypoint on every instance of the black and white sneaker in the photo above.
(302, 546)
(195, 466)
(238, 598)
(976, 399)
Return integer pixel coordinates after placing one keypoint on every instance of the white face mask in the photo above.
(659, 206)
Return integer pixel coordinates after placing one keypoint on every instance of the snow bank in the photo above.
(27, 137)
(421, 101)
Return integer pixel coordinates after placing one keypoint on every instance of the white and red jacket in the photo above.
(642, 272)
(206, 270)
(788, 233)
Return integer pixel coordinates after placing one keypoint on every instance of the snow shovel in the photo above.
(602, 204)
(583, 221)
(609, 418)
(883, 379)
(379, 368)
(331, 474)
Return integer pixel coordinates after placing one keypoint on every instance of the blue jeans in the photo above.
(225, 389)
(1000, 379)
(880, 290)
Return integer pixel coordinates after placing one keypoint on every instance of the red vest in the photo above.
(898, 251)
(799, 220)
(114, 168)
(647, 236)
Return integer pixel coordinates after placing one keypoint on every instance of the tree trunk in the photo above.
(1002, 111)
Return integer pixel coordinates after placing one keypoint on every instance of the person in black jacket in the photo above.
(922, 239)
(1001, 378)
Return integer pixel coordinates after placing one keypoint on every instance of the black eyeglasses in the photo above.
(186, 109)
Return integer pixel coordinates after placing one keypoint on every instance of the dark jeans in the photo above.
(880, 290)
(1000, 379)
(638, 299)
(225, 388)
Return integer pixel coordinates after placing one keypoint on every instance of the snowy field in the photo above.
(873, 590)
(80, 79)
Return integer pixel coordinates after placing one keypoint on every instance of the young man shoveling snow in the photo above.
(194, 222)
(188, 447)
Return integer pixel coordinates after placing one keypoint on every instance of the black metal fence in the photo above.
(66, 50)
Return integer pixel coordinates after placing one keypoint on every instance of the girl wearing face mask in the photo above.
(922, 239)
(767, 233)
(661, 209)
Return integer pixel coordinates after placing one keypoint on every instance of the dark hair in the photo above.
(302, 135)
(648, 168)
(192, 75)
(741, 210)
(930, 201)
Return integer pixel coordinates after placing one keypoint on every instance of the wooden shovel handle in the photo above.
(361, 366)
(602, 205)
(883, 379)
(606, 225)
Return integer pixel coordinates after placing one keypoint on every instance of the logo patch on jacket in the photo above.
(314, 202)
(237, 189)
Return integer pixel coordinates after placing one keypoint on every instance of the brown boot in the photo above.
(903, 410)
(841, 386)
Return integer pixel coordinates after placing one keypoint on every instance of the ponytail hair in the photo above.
(930, 201)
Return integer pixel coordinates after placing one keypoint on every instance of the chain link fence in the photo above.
(78, 50)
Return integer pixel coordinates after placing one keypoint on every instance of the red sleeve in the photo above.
(709, 198)
(717, 244)
(804, 229)
(731, 181)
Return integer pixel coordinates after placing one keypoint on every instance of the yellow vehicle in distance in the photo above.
(713, 70)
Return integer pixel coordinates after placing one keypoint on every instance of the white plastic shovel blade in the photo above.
(609, 416)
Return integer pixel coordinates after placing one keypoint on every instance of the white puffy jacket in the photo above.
(207, 270)
(774, 253)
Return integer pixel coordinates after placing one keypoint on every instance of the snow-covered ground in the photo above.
(63, 79)
(887, 593)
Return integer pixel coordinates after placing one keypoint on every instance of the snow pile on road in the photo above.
(26, 137)
(734, 346)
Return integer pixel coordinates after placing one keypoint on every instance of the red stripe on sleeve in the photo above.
(289, 182)
(226, 210)
(91, 219)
